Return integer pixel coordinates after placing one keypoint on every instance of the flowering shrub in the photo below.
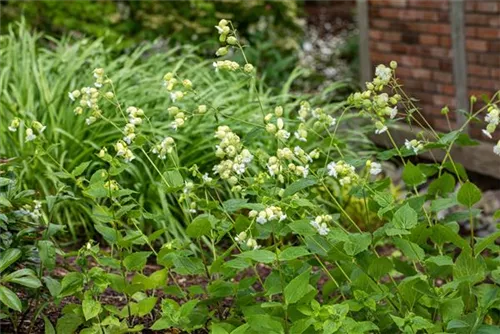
(272, 246)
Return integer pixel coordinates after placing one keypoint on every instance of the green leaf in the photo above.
(413, 251)
(24, 277)
(259, 255)
(71, 283)
(109, 234)
(469, 194)
(68, 323)
(298, 186)
(235, 204)
(379, 267)
(451, 308)
(90, 307)
(443, 185)
(53, 285)
(486, 242)
(201, 225)
(8, 257)
(5, 181)
(136, 261)
(146, 305)
(174, 180)
(80, 168)
(412, 175)
(297, 288)
(469, 268)
(405, 218)
(440, 260)
(292, 253)
(357, 243)
(49, 328)
(47, 253)
(10, 299)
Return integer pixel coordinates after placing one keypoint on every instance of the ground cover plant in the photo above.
(290, 224)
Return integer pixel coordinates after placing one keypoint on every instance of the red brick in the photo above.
(392, 36)
(477, 70)
(420, 73)
(375, 34)
(487, 59)
(470, 31)
(427, 39)
(440, 52)
(442, 77)
(437, 4)
(472, 18)
(411, 61)
(488, 33)
(487, 6)
(380, 24)
(446, 89)
(476, 45)
(494, 22)
(445, 41)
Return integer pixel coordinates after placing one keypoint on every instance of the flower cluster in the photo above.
(135, 116)
(322, 119)
(170, 82)
(493, 119)
(380, 106)
(179, 117)
(320, 224)
(268, 214)
(165, 147)
(274, 163)
(277, 129)
(30, 131)
(228, 38)
(243, 239)
(345, 173)
(122, 150)
(90, 96)
(236, 158)
(414, 145)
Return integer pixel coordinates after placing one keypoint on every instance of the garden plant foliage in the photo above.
(242, 191)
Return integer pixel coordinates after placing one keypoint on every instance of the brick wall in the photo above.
(417, 34)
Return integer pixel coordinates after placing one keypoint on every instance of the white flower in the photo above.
(414, 145)
(71, 96)
(206, 178)
(496, 149)
(381, 130)
(331, 169)
(393, 112)
(29, 134)
(487, 134)
(383, 72)
(261, 220)
(282, 217)
(375, 168)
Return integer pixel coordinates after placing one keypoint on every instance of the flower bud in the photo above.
(393, 64)
(271, 128)
(278, 111)
(223, 23)
(202, 109)
(187, 84)
(222, 51)
(109, 95)
(248, 68)
(268, 117)
(231, 40)
(445, 111)
(168, 76)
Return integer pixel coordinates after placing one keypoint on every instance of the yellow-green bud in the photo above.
(222, 51)
(223, 23)
(109, 95)
(248, 68)
(393, 64)
(278, 111)
(187, 84)
(168, 76)
(231, 40)
(202, 109)
(445, 111)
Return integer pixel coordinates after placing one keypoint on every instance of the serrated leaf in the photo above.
(201, 225)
